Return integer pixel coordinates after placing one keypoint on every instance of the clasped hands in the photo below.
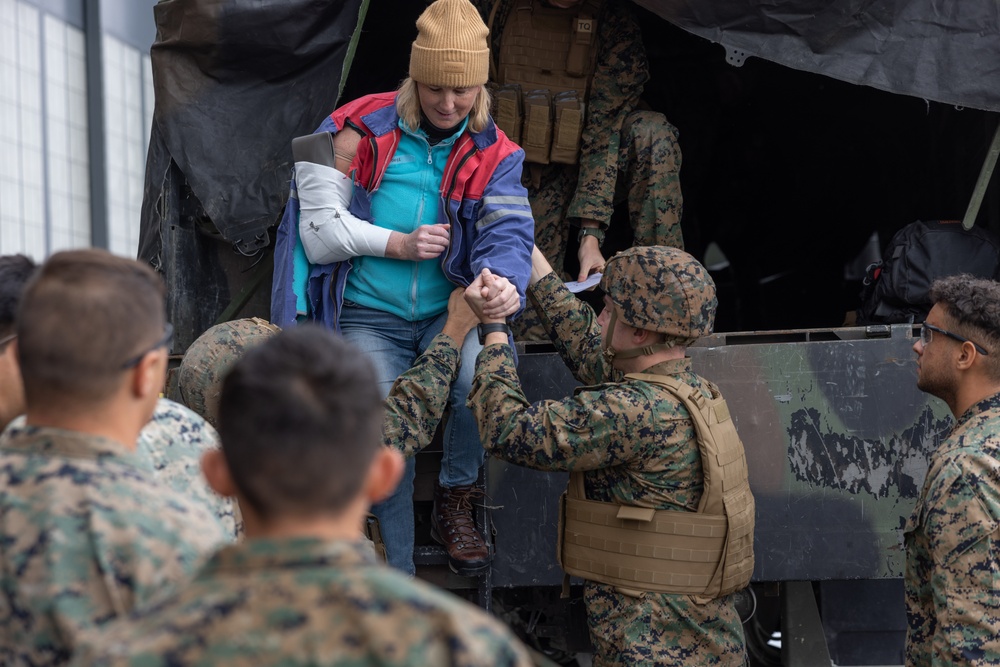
(490, 298)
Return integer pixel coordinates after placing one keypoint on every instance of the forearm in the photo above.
(572, 326)
(540, 267)
(418, 398)
(395, 246)
(499, 405)
(329, 231)
(549, 435)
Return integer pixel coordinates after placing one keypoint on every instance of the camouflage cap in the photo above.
(662, 289)
(206, 362)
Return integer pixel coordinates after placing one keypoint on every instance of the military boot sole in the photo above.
(463, 568)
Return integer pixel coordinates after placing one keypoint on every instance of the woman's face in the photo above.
(446, 107)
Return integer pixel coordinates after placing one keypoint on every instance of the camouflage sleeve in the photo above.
(959, 529)
(622, 71)
(417, 400)
(594, 428)
(572, 326)
(170, 448)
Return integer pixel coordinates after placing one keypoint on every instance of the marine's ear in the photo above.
(641, 337)
(383, 475)
(150, 374)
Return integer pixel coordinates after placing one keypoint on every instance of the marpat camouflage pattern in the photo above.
(418, 398)
(170, 447)
(636, 444)
(620, 143)
(952, 577)
(87, 534)
(662, 289)
(303, 601)
(209, 358)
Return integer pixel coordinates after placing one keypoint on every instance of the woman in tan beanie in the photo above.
(434, 197)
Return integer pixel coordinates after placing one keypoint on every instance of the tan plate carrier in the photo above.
(546, 61)
(705, 554)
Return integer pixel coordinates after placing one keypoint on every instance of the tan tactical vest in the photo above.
(546, 58)
(706, 554)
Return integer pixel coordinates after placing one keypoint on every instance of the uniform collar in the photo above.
(269, 553)
(52, 441)
(990, 403)
(670, 367)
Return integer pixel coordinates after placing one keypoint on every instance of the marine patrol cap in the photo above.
(452, 47)
(664, 289)
(209, 358)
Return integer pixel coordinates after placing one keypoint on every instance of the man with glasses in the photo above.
(170, 445)
(87, 531)
(952, 556)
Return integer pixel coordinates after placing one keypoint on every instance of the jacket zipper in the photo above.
(416, 264)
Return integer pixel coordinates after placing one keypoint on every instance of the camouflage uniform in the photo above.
(87, 534)
(306, 602)
(952, 564)
(637, 445)
(170, 447)
(209, 358)
(418, 398)
(621, 144)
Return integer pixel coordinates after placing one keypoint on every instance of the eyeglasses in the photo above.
(926, 337)
(7, 339)
(168, 337)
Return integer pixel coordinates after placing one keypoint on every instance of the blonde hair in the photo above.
(408, 107)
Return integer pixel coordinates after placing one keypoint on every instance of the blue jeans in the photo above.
(393, 344)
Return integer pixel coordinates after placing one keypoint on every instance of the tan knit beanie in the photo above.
(452, 46)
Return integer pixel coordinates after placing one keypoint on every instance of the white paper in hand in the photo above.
(591, 280)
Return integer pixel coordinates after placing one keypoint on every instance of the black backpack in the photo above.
(896, 288)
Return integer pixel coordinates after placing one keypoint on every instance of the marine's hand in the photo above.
(425, 242)
(461, 320)
(591, 259)
(502, 299)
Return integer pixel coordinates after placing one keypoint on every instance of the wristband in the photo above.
(492, 327)
(596, 232)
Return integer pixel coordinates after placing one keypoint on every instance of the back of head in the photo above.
(452, 46)
(15, 271)
(974, 305)
(662, 289)
(83, 316)
(209, 358)
(300, 418)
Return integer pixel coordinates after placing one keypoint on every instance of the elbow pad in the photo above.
(328, 230)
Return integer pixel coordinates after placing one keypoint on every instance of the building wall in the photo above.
(47, 155)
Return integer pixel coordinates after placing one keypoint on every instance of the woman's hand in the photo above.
(500, 296)
(424, 242)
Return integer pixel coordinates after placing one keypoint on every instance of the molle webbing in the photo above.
(706, 554)
(547, 58)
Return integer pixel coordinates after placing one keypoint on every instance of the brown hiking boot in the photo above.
(453, 525)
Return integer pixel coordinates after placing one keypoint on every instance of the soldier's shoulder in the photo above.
(305, 609)
(176, 426)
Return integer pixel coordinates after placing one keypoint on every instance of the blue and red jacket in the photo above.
(481, 195)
